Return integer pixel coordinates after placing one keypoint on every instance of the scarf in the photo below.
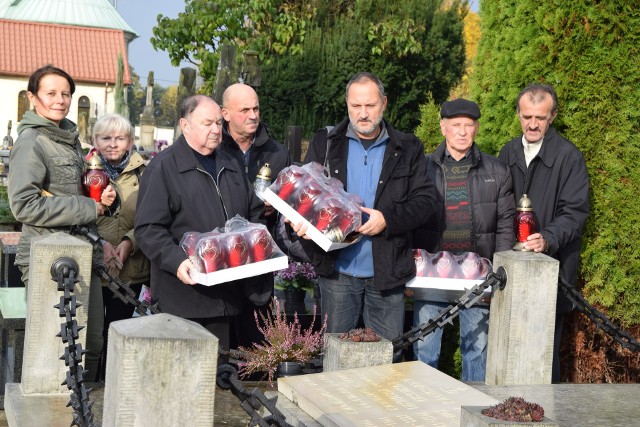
(114, 171)
(66, 133)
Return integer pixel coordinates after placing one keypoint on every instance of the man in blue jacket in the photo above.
(552, 172)
(386, 168)
(475, 214)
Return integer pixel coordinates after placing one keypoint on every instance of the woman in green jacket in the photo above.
(113, 139)
(45, 183)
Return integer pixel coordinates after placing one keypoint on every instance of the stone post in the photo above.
(161, 371)
(346, 354)
(147, 118)
(42, 369)
(522, 320)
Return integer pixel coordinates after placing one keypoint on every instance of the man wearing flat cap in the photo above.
(475, 214)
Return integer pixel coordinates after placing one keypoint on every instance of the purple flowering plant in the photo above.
(283, 342)
(298, 275)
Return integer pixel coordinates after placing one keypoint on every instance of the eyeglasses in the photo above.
(112, 138)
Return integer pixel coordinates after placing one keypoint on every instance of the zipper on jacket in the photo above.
(365, 158)
(215, 183)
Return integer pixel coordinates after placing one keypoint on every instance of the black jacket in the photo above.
(264, 150)
(493, 205)
(557, 183)
(404, 195)
(177, 195)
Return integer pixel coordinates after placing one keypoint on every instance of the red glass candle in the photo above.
(470, 265)
(348, 221)
(307, 197)
(237, 250)
(326, 214)
(95, 179)
(420, 263)
(444, 264)
(288, 181)
(261, 244)
(211, 252)
(524, 223)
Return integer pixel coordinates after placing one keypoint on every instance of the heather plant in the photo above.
(515, 409)
(283, 342)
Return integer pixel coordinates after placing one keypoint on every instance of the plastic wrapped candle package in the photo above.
(445, 277)
(241, 249)
(304, 193)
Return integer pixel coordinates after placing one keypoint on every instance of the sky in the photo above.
(141, 16)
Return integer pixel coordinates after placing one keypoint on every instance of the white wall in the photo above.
(159, 134)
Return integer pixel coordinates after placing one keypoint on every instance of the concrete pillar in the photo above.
(522, 320)
(161, 371)
(42, 369)
(346, 354)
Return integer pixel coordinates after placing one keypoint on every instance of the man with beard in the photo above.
(387, 169)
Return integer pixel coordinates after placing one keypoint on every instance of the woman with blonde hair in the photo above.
(113, 140)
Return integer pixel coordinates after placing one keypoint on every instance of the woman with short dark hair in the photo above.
(45, 183)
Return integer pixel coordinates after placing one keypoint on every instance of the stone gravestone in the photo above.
(401, 394)
(522, 320)
(227, 73)
(40, 400)
(147, 118)
(161, 371)
(186, 88)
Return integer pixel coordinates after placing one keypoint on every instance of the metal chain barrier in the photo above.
(65, 271)
(227, 375)
(251, 402)
(120, 289)
(601, 321)
(497, 280)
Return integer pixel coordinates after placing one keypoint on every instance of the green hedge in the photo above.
(589, 52)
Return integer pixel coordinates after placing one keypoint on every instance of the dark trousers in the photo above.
(114, 309)
(245, 330)
(218, 326)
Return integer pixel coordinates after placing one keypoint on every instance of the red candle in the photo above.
(211, 251)
(237, 250)
(307, 197)
(326, 214)
(261, 243)
(287, 180)
(95, 179)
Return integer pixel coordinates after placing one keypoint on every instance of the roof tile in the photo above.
(87, 54)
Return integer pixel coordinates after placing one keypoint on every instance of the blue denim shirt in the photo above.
(363, 174)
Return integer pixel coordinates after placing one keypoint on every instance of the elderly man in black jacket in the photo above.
(475, 214)
(553, 173)
(193, 186)
(386, 168)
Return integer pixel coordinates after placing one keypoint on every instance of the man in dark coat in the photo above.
(193, 186)
(552, 172)
(386, 168)
(475, 215)
(247, 139)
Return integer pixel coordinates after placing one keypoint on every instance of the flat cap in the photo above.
(460, 107)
